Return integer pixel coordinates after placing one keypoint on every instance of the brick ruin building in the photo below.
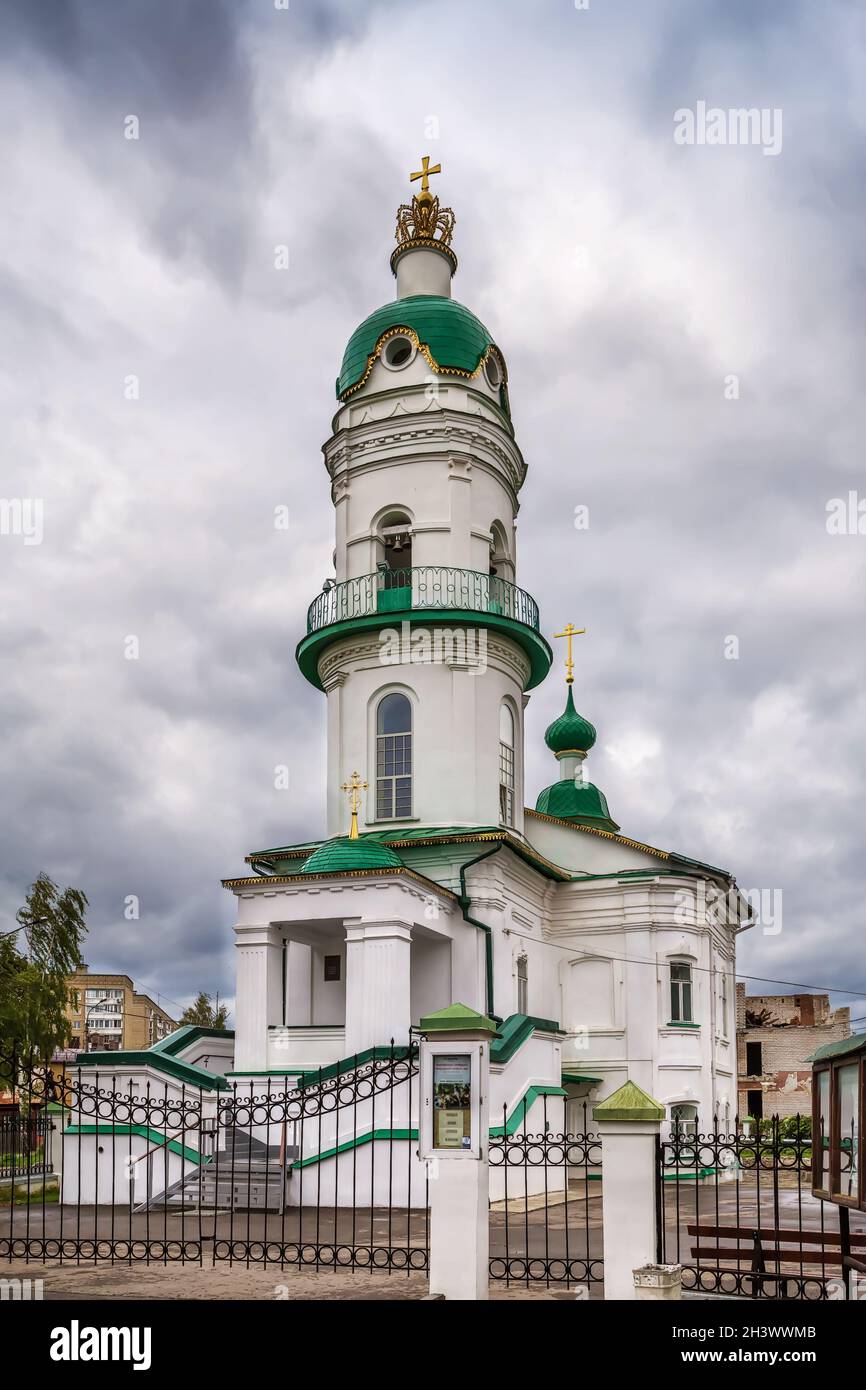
(776, 1034)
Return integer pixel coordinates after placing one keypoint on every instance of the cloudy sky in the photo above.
(683, 327)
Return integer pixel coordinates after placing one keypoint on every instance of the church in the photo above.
(442, 878)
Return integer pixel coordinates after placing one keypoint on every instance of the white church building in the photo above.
(600, 958)
(441, 878)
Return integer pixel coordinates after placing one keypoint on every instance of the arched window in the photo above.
(684, 1119)
(393, 758)
(506, 765)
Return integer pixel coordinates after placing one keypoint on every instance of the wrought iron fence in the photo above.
(545, 1211)
(25, 1144)
(737, 1212)
(320, 1174)
(423, 586)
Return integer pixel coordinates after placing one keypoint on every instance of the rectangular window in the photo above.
(332, 968)
(393, 776)
(681, 994)
(754, 1059)
(506, 784)
(756, 1104)
(522, 985)
(846, 1165)
(724, 1004)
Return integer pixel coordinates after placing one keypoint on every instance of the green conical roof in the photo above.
(454, 337)
(580, 802)
(570, 732)
(345, 856)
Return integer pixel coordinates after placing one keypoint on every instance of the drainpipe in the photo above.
(465, 903)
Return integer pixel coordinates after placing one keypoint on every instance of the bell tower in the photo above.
(422, 641)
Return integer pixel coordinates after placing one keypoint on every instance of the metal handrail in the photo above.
(422, 586)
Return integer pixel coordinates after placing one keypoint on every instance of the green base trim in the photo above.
(522, 1109)
(515, 1031)
(185, 1072)
(688, 1174)
(534, 646)
(143, 1132)
(680, 1023)
(356, 1142)
(189, 1033)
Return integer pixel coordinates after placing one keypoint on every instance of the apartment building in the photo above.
(107, 1014)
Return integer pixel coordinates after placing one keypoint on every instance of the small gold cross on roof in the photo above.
(354, 787)
(424, 173)
(569, 632)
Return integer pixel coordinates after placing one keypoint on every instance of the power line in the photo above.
(706, 969)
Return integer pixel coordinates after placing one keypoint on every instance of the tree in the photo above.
(203, 1014)
(33, 983)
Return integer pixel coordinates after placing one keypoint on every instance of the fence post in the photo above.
(453, 1131)
(628, 1122)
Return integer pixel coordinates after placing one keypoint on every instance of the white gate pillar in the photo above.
(629, 1123)
(454, 1136)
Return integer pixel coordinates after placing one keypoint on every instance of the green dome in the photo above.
(456, 340)
(345, 855)
(570, 732)
(582, 803)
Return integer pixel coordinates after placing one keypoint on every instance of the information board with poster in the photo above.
(452, 1101)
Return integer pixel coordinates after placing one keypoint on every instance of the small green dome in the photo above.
(345, 855)
(570, 732)
(455, 339)
(580, 802)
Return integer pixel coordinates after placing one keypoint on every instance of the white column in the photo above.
(378, 1005)
(460, 1228)
(258, 1001)
(629, 1123)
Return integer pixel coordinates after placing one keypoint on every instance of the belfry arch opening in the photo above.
(394, 543)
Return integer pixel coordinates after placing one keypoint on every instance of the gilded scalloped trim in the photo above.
(594, 830)
(256, 880)
(407, 332)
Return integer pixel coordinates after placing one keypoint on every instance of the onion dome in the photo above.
(570, 733)
(448, 335)
(580, 802)
(349, 856)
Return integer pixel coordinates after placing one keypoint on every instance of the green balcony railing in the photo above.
(423, 586)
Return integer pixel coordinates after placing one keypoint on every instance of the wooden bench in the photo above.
(765, 1245)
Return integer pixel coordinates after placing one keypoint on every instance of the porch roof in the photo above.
(268, 863)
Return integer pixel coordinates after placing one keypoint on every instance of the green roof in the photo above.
(345, 856)
(456, 1018)
(840, 1048)
(629, 1103)
(581, 803)
(454, 337)
(570, 732)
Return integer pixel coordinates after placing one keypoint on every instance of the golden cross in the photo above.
(424, 173)
(570, 631)
(354, 787)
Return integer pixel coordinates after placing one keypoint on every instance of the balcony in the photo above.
(422, 595)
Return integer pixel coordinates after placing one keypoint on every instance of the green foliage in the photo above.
(796, 1127)
(203, 1014)
(33, 988)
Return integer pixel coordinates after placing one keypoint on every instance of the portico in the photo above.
(315, 986)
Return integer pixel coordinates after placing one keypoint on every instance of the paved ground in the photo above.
(190, 1282)
(571, 1231)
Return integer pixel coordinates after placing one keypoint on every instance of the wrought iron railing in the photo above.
(423, 586)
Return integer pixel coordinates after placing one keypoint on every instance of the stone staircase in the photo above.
(244, 1176)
